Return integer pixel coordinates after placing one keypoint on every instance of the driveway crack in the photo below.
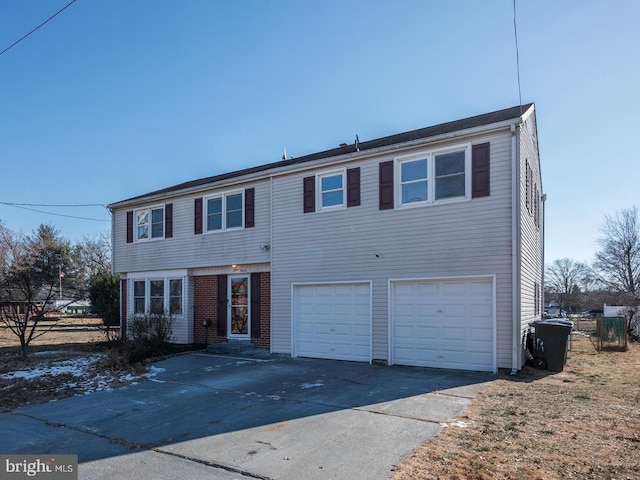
(142, 446)
(213, 464)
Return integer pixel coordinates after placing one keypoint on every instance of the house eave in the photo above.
(265, 172)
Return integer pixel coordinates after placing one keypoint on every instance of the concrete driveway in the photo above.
(255, 416)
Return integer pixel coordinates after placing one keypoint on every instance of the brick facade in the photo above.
(265, 312)
(205, 295)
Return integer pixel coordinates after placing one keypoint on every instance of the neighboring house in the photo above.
(423, 248)
(552, 309)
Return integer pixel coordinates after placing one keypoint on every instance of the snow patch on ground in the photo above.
(87, 377)
(75, 366)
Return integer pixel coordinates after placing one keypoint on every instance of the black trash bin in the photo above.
(551, 343)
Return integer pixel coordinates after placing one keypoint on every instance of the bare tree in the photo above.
(618, 261)
(92, 258)
(565, 278)
(33, 272)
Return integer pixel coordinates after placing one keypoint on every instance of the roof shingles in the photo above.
(426, 132)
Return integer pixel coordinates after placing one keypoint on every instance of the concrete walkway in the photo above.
(255, 416)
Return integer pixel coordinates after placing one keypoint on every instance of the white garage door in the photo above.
(443, 324)
(333, 321)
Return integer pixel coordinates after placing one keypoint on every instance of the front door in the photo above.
(238, 318)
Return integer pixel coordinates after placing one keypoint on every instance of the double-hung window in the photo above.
(433, 177)
(157, 296)
(139, 302)
(225, 211)
(331, 190)
(149, 223)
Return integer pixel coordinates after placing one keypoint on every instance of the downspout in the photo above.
(271, 256)
(515, 248)
(544, 208)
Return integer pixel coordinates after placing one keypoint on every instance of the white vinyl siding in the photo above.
(447, 239)
(188, 250)
(531, 233)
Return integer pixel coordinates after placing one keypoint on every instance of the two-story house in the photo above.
(423, 248)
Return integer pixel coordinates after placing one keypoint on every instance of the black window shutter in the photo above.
(130, 226)
(222, 305)
(168, 220)
(255, 305)
(249, 207)
(353, 187)
(197, 225)
(309, 194)
(481, 177)
(385, 181)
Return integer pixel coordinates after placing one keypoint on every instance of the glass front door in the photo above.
(238, 307)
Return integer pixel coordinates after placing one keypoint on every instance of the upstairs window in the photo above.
(434, 176)
(149, 223)
(450, 175)
(225, 212)
(414, 181)
(331, 190)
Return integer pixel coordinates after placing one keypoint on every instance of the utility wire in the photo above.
(39, 26)
(515, 33)
(14, 204)
(22, 206)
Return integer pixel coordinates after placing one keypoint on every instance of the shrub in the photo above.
(147, 337)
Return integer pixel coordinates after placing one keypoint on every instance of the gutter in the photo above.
(312, 164)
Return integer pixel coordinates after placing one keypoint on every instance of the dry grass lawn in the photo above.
(582, 423)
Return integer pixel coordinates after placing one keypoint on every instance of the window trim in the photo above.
(331, 173)
(223, 195)
(150, 209)
(430, 156)
(166, 295)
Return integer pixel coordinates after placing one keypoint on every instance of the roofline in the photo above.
(334, 156)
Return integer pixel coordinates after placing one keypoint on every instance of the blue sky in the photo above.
(113, 99)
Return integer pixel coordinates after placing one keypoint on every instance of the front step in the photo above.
(231, 346)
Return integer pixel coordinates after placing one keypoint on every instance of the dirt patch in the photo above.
(65, 362)
(582, 423)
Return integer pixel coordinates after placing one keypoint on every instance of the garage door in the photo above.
(443, 324)
(333, 321)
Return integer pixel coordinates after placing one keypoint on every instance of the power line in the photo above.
(39, 26)
(23, 207)
(53, 205)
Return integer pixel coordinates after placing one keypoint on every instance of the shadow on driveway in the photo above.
(260, 416)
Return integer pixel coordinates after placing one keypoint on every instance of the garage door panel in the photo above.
(452, 326)
(453, 289)
(333, 321)
(454, 334)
